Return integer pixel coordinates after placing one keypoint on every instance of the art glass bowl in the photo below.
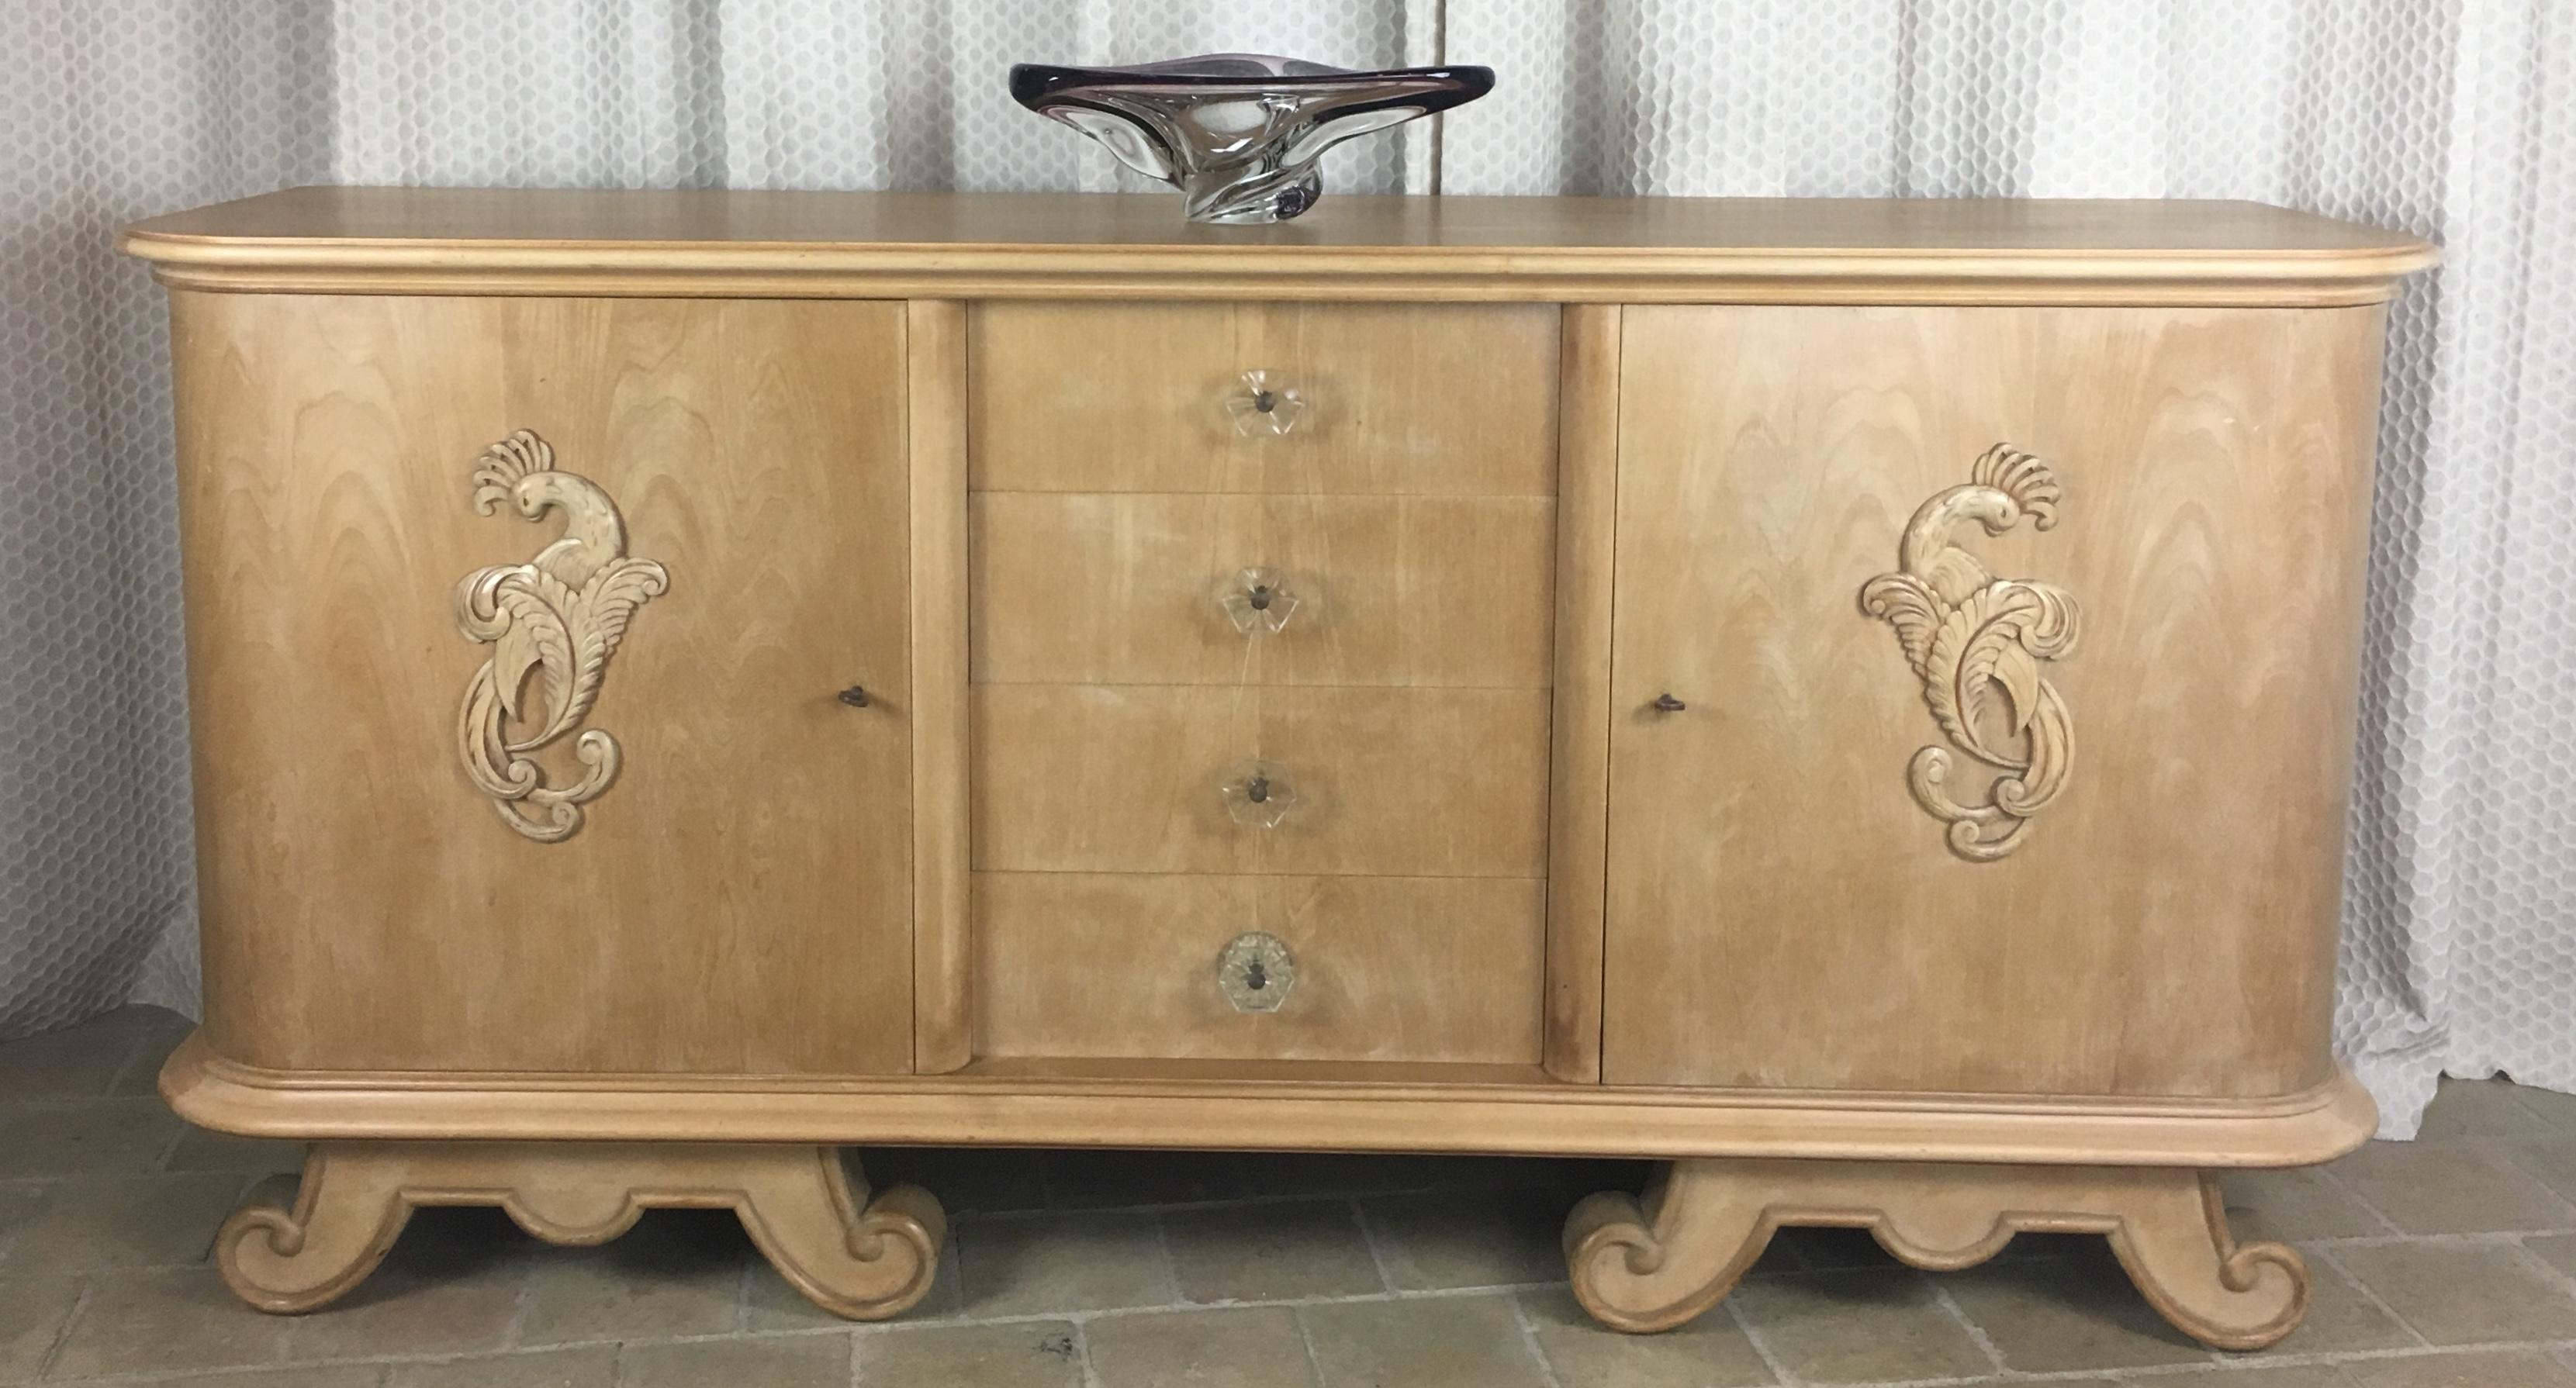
(1238, 133)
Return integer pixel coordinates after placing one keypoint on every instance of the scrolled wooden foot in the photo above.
(853, 1256)
(807, 1208)
(2191, 1269)
(298, 1244)
(1651, 1265)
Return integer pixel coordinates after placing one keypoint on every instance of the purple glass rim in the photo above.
(1034, 83)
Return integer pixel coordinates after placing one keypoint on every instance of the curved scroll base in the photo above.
(296, 1245)
(1652, 1264)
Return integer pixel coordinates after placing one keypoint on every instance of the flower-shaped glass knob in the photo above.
(1265, 406)
(1258, 794)
(1257, 601)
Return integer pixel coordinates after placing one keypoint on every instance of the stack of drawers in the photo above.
(1398, 501)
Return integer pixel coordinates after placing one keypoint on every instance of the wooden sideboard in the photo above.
(1853, 698)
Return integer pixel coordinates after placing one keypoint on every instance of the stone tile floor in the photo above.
(2445, 1263)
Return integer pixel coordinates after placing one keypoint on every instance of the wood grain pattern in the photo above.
(1121, 588)
(1579, 726)
(935, 370)
(1126, 778)
(1653, 1264)
(1406, 401)
(1385, 1106)
(1410, 249)
(1387, 968)
(747, 907)
(2170, 928)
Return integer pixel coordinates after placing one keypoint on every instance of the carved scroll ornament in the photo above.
(559, 616)
(1976, 641)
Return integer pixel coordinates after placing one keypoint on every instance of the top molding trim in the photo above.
(747, 244)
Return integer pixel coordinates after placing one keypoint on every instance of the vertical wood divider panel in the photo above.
(1587, 499)
(936, 409)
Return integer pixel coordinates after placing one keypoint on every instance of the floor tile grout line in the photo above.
(2522, 1098)
(514, 1331)
(1529, 1341)
(63, 1332)
(169, 1151)
(742, 1295)
(1976, 1333)
(134, 1050)
(1306, 1337)
(2515, 1161)
(2564, 1278)
(1171, 1265)
(39, 1194)
(2333, 1178)
(1368, 1239)
(1761, 1347)
(2490, 1238)
(1082, 1356)
(2371, 1294)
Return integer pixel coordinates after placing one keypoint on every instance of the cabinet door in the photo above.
(2116, 871)
(376, 894)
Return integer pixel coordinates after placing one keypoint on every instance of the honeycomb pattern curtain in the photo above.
(2448, 117)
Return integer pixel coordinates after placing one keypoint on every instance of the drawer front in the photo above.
(1134, 588)
(1406, 400)
(1378, 968)
(1130, 778)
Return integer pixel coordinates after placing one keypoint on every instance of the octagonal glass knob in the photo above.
(1255, 970)
(1265, 405)
(1258, 601)
(1258, 794)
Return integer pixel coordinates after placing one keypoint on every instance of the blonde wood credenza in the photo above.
(1854, 698)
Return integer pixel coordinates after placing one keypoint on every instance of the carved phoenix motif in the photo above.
(561, 616)
(1977, 641)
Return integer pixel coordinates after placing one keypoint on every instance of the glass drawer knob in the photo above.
(1258, 794)
(1255, 971)
(1257, 601)
(1265, 405)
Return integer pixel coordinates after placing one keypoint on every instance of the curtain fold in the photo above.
(2447, 117)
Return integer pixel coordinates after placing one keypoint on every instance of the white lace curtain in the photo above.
(2448, 117)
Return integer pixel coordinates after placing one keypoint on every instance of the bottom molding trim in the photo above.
(1351, 1113)
(1651, 1264)
(300, 1244)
